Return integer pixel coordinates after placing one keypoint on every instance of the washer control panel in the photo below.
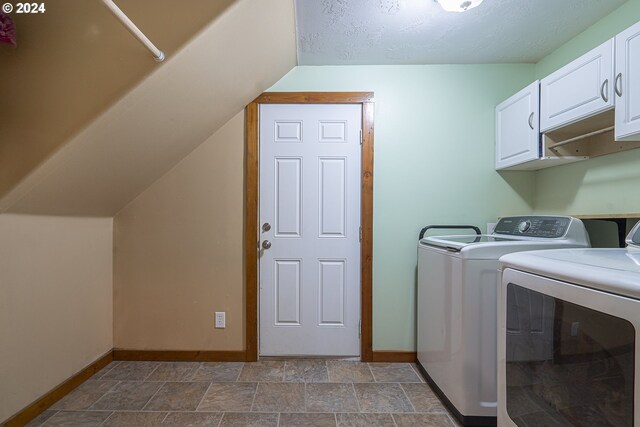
(634, 236)
(533, 226)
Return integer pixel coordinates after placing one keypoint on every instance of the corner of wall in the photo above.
(178, 253)
(607, 27)
(600, 185)
(56, 297)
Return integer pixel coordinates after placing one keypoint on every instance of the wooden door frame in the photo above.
(251, 209)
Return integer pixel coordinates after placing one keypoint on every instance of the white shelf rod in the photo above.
(577, 138)
(158, 55)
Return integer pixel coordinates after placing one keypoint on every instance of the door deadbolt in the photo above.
(266, 227)
(266, 244)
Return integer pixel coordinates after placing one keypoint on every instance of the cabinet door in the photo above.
(517, 128)
(627, 84)
(578, 90)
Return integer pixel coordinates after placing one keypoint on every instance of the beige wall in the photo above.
(55, 302)
(178, 253)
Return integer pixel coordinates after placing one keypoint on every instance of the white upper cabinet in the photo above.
(517, 128)
(577, 112)
(580, 89)
(627, 84)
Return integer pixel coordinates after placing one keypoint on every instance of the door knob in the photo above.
(266, 244)
(266, 227)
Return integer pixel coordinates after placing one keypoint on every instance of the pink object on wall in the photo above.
(7, 30)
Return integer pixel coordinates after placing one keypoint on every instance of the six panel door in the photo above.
(310, 239)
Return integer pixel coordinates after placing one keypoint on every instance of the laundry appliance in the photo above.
(568, 347)
(457, 306)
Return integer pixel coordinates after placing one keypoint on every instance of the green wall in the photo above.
(604, 185)
(606, 28)
(434, 157)
(434, 164)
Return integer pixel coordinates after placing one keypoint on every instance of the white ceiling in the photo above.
(335, 32)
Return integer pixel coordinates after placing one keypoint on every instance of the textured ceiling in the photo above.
(334, 32)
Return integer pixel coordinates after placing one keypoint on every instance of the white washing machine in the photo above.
(568, 347)
(457, 307)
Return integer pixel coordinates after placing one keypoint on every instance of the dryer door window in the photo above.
(567, 365)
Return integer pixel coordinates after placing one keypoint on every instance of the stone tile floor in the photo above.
(301, 392)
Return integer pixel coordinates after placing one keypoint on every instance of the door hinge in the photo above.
(360, 136)
(360, 234)
(360, 329)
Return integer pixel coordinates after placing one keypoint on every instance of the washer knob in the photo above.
(524, 226)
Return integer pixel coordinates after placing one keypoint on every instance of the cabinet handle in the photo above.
(605, 94)
(531, 120)
(615, 86)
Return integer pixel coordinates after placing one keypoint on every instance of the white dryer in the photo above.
(568, 347)
(457, 307)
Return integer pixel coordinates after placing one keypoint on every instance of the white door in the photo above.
(310, 238)
(627, 84)
(580, 89)
(529, 325)
(517, 128)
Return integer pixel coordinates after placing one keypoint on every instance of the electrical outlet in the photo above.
(575, 329)
(220, 319)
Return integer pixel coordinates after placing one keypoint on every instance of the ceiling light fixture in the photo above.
(458, 5)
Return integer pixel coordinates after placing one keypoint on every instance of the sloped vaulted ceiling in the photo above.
(239, 55)
(75, 60)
